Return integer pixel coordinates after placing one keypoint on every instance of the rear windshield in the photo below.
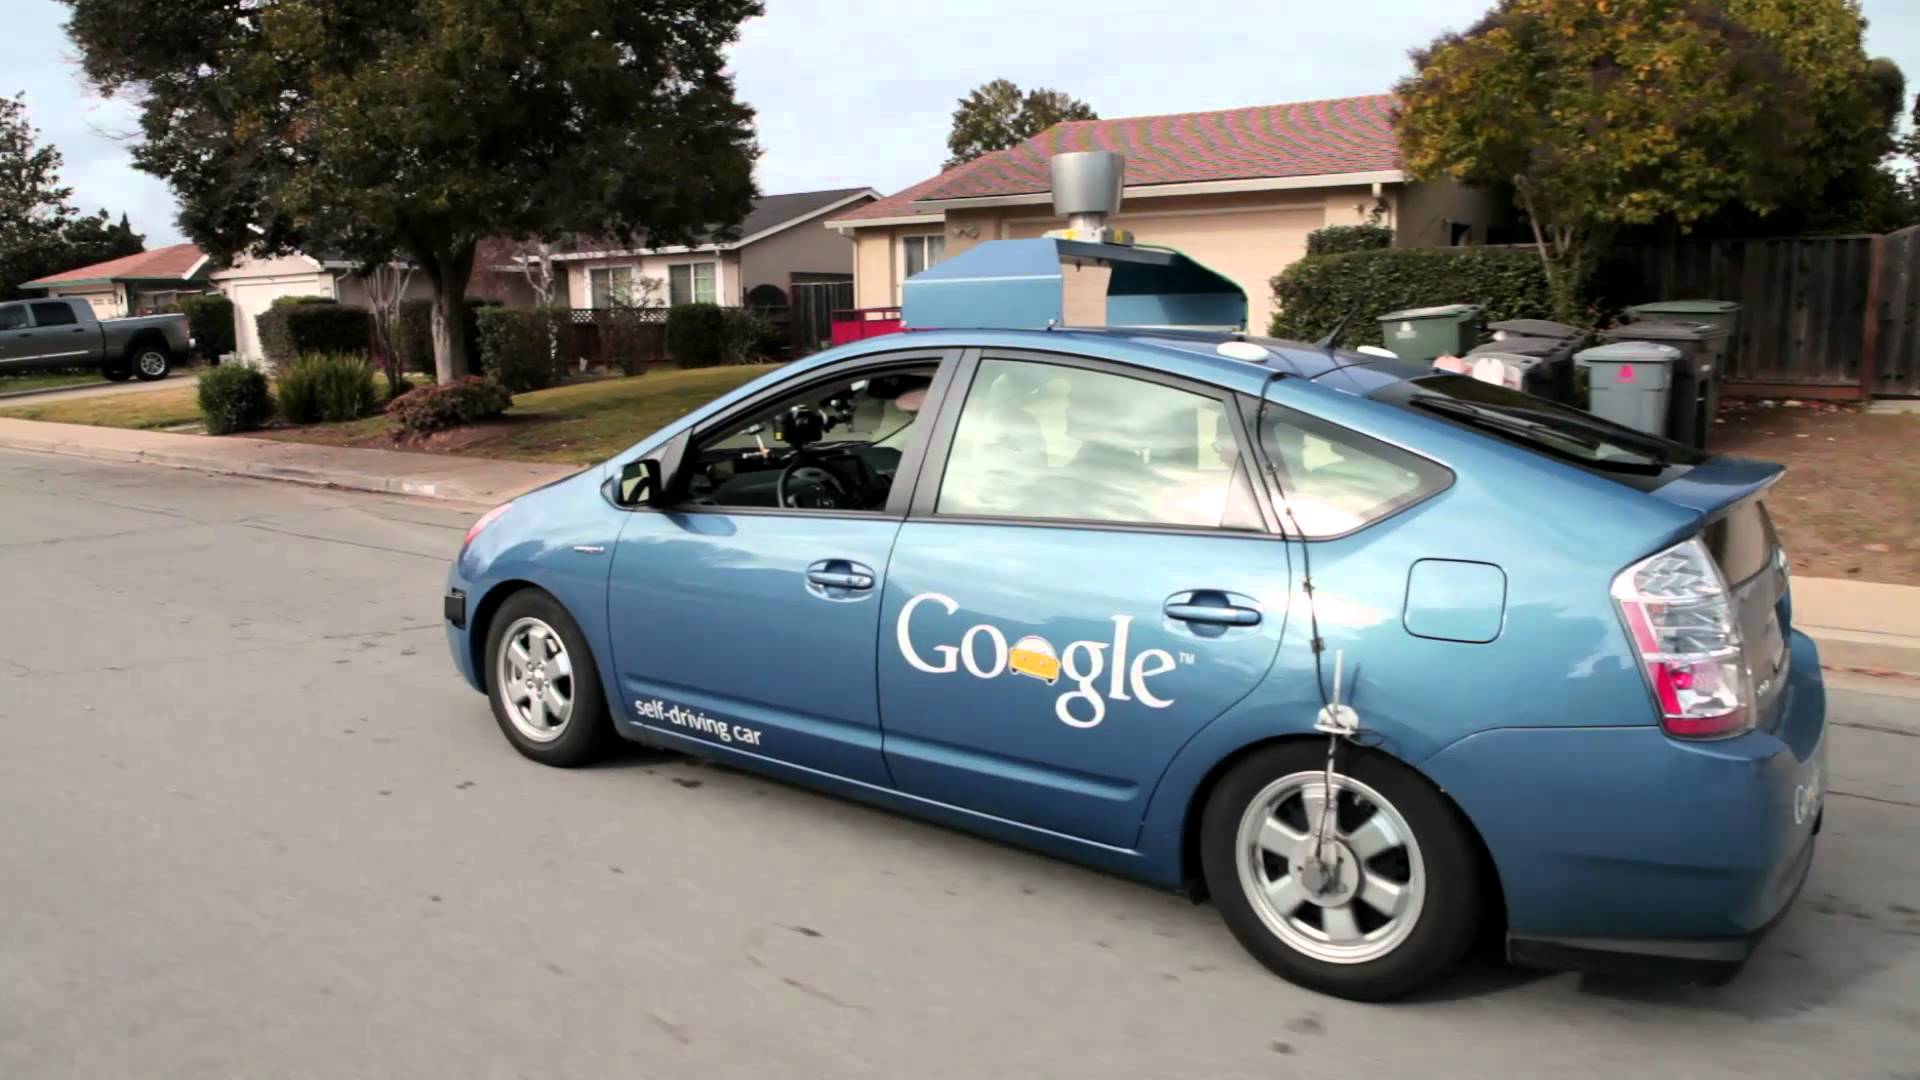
(1600, 446)
(1742, 542)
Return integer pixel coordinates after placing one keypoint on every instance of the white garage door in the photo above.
(1249, 247)
(252, 297)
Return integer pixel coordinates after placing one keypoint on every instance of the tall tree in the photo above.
(34, 210)
(378, 129)
(94, 238)
(998, 115)
(1611, 113)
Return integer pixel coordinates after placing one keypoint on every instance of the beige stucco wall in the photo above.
(351, 289)
(726, 279)
(807, 248)
(107, 301)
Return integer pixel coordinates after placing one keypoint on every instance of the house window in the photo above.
(690, 283)
(611, 286)
(922, 251)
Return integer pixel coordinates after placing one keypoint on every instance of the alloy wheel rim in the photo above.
(535, 676)
(152, 363)
(1373, 883)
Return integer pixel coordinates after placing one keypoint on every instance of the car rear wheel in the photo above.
(543, 684)
(152, 362)
(1372, 903)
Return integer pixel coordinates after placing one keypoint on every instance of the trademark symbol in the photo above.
(1186, 658)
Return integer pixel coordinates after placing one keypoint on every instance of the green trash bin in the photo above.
(1696, 378)
(1420, 334)
(1628, 382)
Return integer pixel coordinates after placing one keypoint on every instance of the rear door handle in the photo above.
(840, 574)
(1219, 613)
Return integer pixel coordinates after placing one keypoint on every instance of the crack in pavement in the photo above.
(253, 651)
(16, 545)
(350, 543)
(1876, 799)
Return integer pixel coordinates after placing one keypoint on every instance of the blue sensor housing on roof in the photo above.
(1020, 285)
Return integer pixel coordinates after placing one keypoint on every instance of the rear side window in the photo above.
(1333, 481)
(1053, 442)
(53, 315)
(13, 318)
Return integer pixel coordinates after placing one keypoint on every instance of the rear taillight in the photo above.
(486, 519)
(1680, 618)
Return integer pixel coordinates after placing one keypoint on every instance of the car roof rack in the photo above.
(1024, 284)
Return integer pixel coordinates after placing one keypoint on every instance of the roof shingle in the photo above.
(167, 263)
(1305, 138)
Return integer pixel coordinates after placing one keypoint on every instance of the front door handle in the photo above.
(840, 574)
(1219, 613)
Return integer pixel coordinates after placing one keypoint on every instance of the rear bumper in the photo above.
(1620, 846)
(1704, 960)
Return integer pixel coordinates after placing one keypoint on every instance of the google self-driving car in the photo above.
(1373, 656)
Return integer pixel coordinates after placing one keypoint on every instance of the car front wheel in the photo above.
(543, 684)
(1372, 902)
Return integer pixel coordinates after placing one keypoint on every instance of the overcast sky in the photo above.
(853, 94)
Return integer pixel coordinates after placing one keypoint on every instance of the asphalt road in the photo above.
(252, 824)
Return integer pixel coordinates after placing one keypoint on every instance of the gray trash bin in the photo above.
(1628, 382)
(1724, 314)
(1696, 379)
(1420, 334)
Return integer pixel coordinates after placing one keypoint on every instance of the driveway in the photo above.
(188, 377)
(256, 826)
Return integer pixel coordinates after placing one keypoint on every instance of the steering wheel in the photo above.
(829, 493)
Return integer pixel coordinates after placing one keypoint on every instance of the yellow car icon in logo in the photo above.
(1033, 656)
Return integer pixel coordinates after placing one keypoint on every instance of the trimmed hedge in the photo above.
(289, 331)
(328, 388)
(696, 335)
(414, 336)
(210, 321)
(437, 407)
(1315, 293)
(1344, 239)
(235, 398)
(523, 348)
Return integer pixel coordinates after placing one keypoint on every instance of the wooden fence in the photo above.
(631, 338)
(1823, 316)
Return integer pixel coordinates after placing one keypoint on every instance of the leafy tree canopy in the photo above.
(40, 231)
(378, 129)
(1610, 113)
(998, 115)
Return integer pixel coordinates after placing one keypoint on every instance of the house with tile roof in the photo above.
(132, 284)
(1237, 190)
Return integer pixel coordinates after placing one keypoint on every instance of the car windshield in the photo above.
(1543, 426)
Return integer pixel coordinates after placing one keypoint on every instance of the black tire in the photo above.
(150, 361)
(588, 735)
(115, 373)
(1449, 916)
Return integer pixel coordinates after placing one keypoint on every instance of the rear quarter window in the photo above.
(1333, 480)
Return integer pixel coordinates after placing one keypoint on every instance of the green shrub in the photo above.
(327, 388)
(746, 335)
(1315, 293)
(233, 398)
(524, 348)
(696, 335)
(438, 407)
(300, 301)
(210, 321)
(632, 338)
(290, 331)
(1342, 239)
(413, 338)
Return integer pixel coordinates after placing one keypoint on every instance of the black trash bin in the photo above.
(1507, 329)
(1696, 378)
(1549, 372)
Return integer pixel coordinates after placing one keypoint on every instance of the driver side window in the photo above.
(836, 445)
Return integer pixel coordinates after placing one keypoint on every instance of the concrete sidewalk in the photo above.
(1862, 625)
(475, 482)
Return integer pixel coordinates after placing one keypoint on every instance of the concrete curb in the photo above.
(471, 482)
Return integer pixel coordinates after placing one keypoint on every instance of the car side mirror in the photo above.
(639, 483)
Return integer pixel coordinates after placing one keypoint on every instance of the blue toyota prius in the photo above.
(1370, 655)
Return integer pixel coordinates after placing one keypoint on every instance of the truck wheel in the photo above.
(152, 362)
(1388, 903)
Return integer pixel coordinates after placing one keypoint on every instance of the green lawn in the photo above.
(576, 424)
(49, 380)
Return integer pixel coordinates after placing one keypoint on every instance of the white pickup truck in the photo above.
(63, 333)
